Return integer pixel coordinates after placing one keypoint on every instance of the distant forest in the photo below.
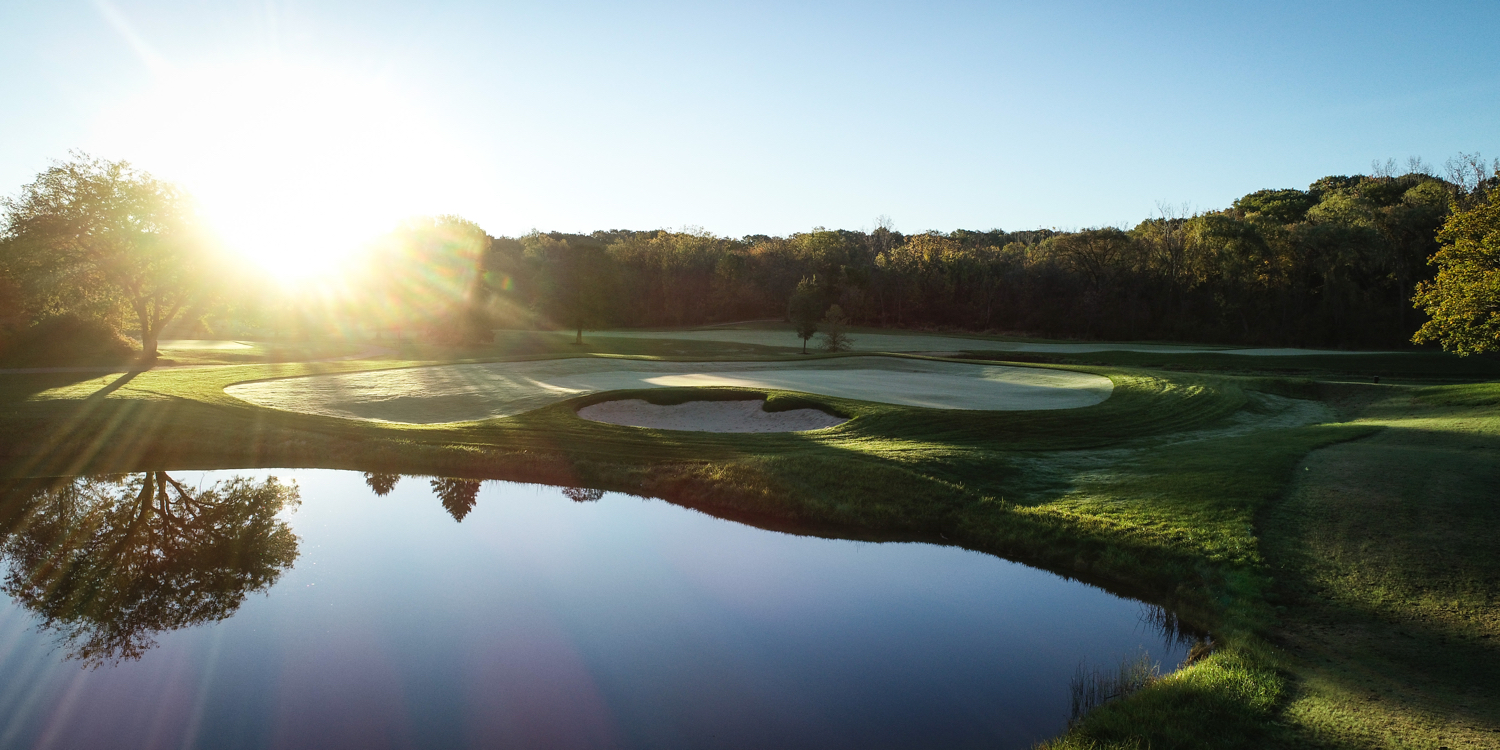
(1334, 265)
(93, 247)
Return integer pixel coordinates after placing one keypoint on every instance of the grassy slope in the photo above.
(1392, 572)
(1164, 491)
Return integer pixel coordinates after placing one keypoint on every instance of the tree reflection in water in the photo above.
(583, 494)
(458, 495)
(109, 562)
(381, 484)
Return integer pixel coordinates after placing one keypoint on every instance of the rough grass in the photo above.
(1174, 490)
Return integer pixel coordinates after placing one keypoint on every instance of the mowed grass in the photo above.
(1391, 573)
(1196, 491)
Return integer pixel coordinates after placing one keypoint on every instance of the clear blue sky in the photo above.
(765, 117)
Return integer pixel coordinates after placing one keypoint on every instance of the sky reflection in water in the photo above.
(543, 622)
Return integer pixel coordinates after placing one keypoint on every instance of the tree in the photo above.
(428, 274)
(109, 562)
(99, 236)
(804, 309)
(1464, 299)
(574, 279)
(835, 331)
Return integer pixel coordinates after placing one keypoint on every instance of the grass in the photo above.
(1404, 367)
(1392, 576)
(1335, 539)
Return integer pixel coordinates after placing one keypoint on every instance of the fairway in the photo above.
(922, 342)
(456, 393)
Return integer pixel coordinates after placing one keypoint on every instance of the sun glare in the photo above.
(295, 167)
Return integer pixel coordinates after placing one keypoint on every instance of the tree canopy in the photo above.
(1463, 301)
(805, 308)
(1332, 265)
(104, 239)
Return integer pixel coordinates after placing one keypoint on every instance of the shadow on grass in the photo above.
(1386, 562)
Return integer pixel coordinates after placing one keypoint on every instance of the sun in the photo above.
(294, 166)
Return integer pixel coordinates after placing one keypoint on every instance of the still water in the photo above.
(155, 611)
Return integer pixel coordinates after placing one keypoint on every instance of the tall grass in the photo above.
(1093, 686)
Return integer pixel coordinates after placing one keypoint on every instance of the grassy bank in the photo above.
(1221, 496)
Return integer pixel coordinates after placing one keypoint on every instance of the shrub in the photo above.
(67, 340)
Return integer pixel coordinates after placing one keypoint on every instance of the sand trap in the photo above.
(708, 416)
(457, 393)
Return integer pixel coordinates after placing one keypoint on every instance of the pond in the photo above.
(193, 609)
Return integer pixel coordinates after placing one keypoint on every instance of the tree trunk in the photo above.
(148, 336)
(579, 339)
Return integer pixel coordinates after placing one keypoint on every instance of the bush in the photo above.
(67, 339)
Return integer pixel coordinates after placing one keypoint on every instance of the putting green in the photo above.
(458, 393)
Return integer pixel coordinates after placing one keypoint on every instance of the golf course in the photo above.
(749, 376)
(1292, 521)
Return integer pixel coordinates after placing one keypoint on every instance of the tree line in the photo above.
(1335, 265)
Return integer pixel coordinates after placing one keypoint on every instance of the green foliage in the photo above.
(1279, 206)
(805, 308)
(67, 340)
(103, 239)
(835, 327)
(427, 276)
(1333, 265)
(1464, 299)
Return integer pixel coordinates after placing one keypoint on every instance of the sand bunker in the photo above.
(457, 393)
(708, 416)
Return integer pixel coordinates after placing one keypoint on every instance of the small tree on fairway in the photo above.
(804, 309)
(836, 331)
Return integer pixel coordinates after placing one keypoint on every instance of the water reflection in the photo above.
(106, 563)
(381, 484)
(582, 494)
(459, 495)
(548, 618)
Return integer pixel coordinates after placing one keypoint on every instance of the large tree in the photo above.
(1464, 300)
(103, 238)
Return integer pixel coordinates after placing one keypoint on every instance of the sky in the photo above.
(303, 124)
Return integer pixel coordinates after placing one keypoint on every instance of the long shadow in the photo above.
(19, 387)
(114, 385)
(1412, 510)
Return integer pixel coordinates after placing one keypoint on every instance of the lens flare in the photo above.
(294, 166)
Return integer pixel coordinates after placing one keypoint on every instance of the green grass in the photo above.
(1392, 576)
(1404, 367)
(1342, 618)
